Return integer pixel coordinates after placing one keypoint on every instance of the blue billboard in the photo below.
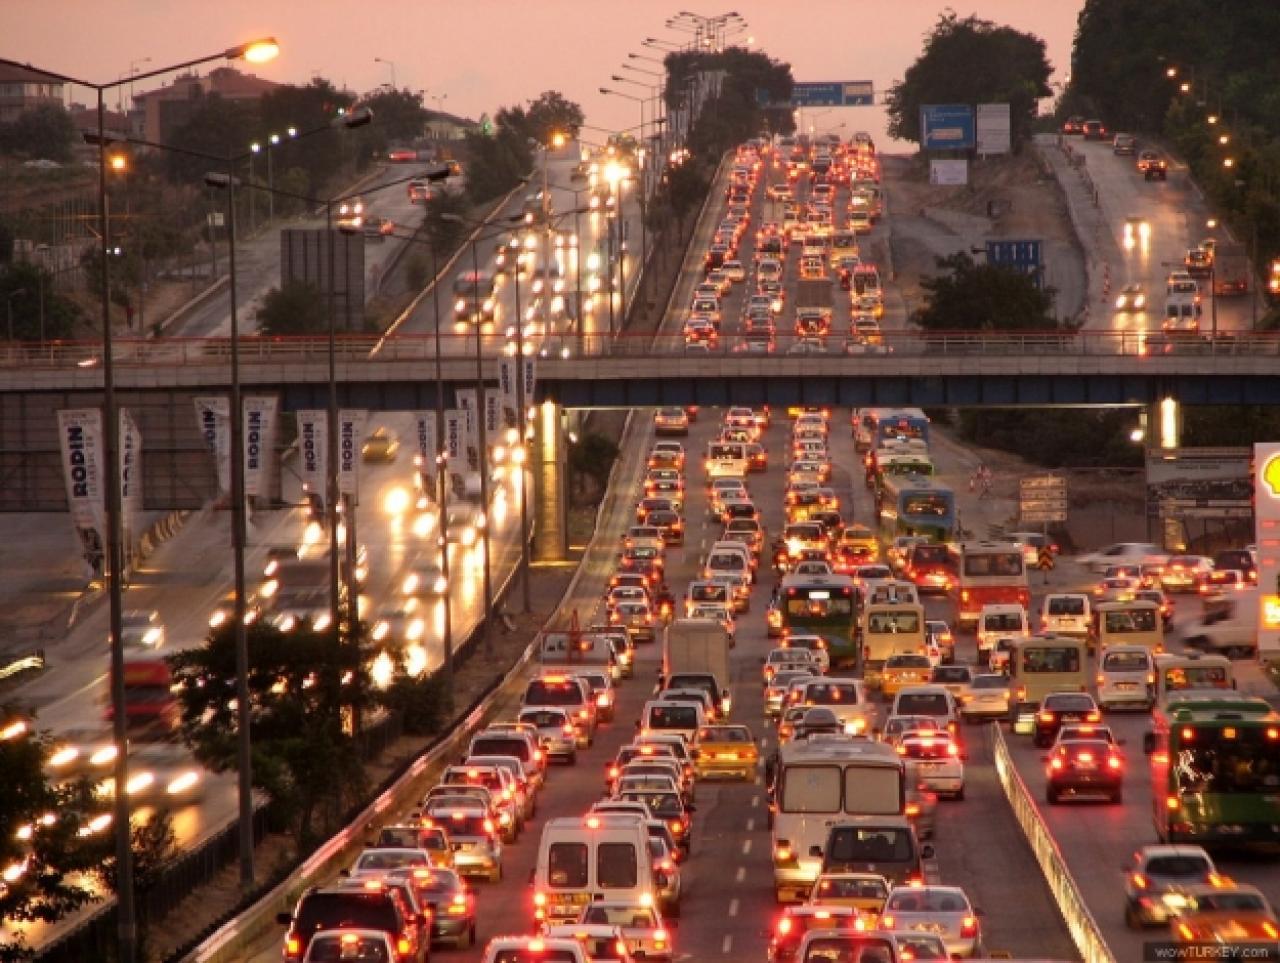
(947, 127)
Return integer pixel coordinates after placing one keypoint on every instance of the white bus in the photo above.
(726, 459)
(816, 784)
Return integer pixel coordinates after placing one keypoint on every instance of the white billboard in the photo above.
(994, 131)
(259, 441)
(950, 173)
(80, 441)
(350, 429)
(130, 462)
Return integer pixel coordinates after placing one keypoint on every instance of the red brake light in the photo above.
(292, 946)
(403, 946)
(1139, 881)
(969, 927)
(1114, 762)
(1046, 717)
(784, 926)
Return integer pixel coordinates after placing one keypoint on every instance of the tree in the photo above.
(550, 113)
(972, 61)
(302, 686)
(445, 234)
(735, 115)
(983, 297)
(306, 108)
(497, 163)
(296, 308)
(44, 132)
(217, 127)
(54, 854)
(22, 286)
(153, 844)
(593, 456)
(398, 115)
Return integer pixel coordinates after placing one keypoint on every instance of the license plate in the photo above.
(1086, 765)
(1126, 686)
(726, 755)
(930, 766)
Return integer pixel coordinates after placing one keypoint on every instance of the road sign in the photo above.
(1038, 516)
(1018, 254)
(834, 93)
(1042, 498)
(947, 127)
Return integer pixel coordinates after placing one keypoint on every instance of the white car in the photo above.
(933, 763)
(1124, 553)
(1126, 676)
(642, 926)
(734, 271)
(988, 697)
(141, 628)
(944, 910)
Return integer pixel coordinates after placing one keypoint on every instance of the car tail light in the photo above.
(660, 938)
(1113, 762)
(292, 946)
(887, 922)
(784, 926)
(1055, 762)
(1101, 680)
(783, 852)
(1138, 880)
(1094, 716)
(912, 810)
(568, 728)
(537, 755)
(488, 826)
(458, 905)
(403, 947)
(1046, 717)
(969, 927)
(677, 827)
(582, 713)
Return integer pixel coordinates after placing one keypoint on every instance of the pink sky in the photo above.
(480, 54)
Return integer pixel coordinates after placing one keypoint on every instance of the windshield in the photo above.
(993, 564)
(928, 901)
(929, 554)
(669, 716)
(896, 623)
(887, 844)
(1126, 662)
(1003, 622)
(922, 704)
(543, 692)
(1132, 620)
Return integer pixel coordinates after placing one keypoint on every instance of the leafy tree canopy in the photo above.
(296, 308)
(496, 163)
(21, 286)
(735, 115)
(983, 297)
(44, 132)
(398, 114)
(541, 118)
(972, 61)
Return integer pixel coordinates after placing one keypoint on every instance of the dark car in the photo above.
(1152, 166)
(885, 845)
(1080, 767)
(451, 901)
(1239, 559)
(340, 908)
(670, 524)
(1060, 707)
(1073, 125)
(1094, 130)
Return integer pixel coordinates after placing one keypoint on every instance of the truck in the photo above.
(1228, 626)
(813, 307)
(568, 651)
(149, 700)
(695, 654)
(1230, 270)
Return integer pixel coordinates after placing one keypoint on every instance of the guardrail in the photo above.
(1080, 922)
(353, 349)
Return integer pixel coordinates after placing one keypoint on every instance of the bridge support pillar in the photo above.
(550, 492)
(1166, 416)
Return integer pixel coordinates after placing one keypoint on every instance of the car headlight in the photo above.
(380, 631)
(440, 585)
(1140, 301)
(183, 783)
(460, 305)
(286, 623)
(410, 584)
(321, 623)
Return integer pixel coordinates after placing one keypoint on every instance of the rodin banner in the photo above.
(454, 428)
(259, 442)
(492, 417)
(130, 475)
(80, 439)
(507, 391)
(424, 423)
(313, 429)
(530, 380)
(469, 403)
(213, 415)
(350, 428)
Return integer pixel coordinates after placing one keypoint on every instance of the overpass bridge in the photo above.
(158, 380)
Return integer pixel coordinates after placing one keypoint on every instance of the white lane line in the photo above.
(726, 945)
(755, 802)
(751, 825)
(741, 874)
(746, 847)
(733, 907)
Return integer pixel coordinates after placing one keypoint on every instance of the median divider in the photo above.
(1080, 922)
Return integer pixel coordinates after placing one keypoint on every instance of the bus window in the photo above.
(1132, 620)
(1223, 759)
(893, 622)
(819, 604)
(616, 866)
(993, 563)
(935, 505)
(878, 791)
(811, 789)
(567, 865)
(1048, 659)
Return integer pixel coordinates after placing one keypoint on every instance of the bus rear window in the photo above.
(1066, 605)
(1225, 759)
(545, 693)
(813, 606)
(993, 564)
(616, 866)
(1050, 659)
(1132, 620)
(1126, 662)
(895, 623)
(669, 716)
(935, 505)
(811, 789)
(1180, 677)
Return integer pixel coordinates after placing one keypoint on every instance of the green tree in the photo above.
(44, 132)
(153, 844)
(735, 115)
(1056, 437)
(443, 234)
(497, 163)
(972, 61)
(217, 127)
(302, 687)
(54, 854)
(983, 297)
(22, 285)
(398, 115)
(551, 112)
(296, 308)
(592, 456)
(306, 108)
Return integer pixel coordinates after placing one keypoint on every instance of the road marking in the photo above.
(751, 825)
(755, 802)
(726, 946)
(733, 907)
(746, 847)
(741, 874)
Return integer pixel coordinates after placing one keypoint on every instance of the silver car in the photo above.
(556, 733)
(941, 910)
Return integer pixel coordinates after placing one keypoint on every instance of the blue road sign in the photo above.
(835, 93)
(947, 127)
(1020, 256)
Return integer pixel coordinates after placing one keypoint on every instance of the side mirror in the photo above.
(815, 851)
(1148, 742)
(344, 873)
(284, 919)
(532, 874)
(926, 851)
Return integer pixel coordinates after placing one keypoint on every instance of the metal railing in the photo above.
(1084, 929)
(357, 348)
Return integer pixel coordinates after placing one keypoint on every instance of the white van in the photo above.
(675, 718)
(1000, 621)
(582, 859)
(1068, 613)
(1181, 314)
(1126, 676)
(1229, 625)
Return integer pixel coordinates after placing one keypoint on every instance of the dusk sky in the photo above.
(481, 54)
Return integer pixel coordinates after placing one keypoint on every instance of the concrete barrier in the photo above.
(1080, 922)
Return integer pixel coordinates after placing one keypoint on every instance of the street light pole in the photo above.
(442, 486)
(484, 454)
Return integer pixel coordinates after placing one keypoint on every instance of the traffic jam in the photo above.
(776, 692)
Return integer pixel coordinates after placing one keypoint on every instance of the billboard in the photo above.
(947, 127)
(1266, 493)
(993, 129)
(80, 432)
(949, 172)
(350, 429)
(214, 417)
(1199, 483)
(313, 441)
(824, 93)
(259, 442)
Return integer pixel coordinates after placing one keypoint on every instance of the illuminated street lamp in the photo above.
(257, 51)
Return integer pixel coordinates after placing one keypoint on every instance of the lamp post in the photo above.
(8, 304)
(127, 936)
(391, 64)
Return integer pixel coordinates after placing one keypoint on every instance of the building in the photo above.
(442, 126)
(23, 89)
(167, 108)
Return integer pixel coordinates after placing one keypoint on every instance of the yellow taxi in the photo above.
(726, 751)
(861, 539)
(865, 892)
(904, 670)
(381, 446)
(1228, 913)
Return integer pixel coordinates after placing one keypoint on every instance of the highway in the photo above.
(729, 907)
(1178, 217)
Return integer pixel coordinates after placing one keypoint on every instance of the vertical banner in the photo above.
(80, 440)
(213, 415)
(469, 403)
(313, 434)
(130, 477)
(530, 380)
(350, 429)
(259, 442)
(507, 391)
(454, 429)
(1266, 496)
(493, 417)
(424, 423)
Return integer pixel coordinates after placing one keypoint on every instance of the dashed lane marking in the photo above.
(740, 875)
(726, 945)
(733, 907)
(746, 847)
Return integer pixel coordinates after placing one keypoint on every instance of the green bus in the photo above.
(1215, 770)
(822, 605)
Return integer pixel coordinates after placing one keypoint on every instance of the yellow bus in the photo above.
(1041, 665)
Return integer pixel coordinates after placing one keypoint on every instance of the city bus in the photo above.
(822, 605)
(1215, 770)
(1192, 672)
(903, 424)
(917, 505)
(817, 784)
(887, 629)
(895, 463)
(1041, 665)
(989, 573)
